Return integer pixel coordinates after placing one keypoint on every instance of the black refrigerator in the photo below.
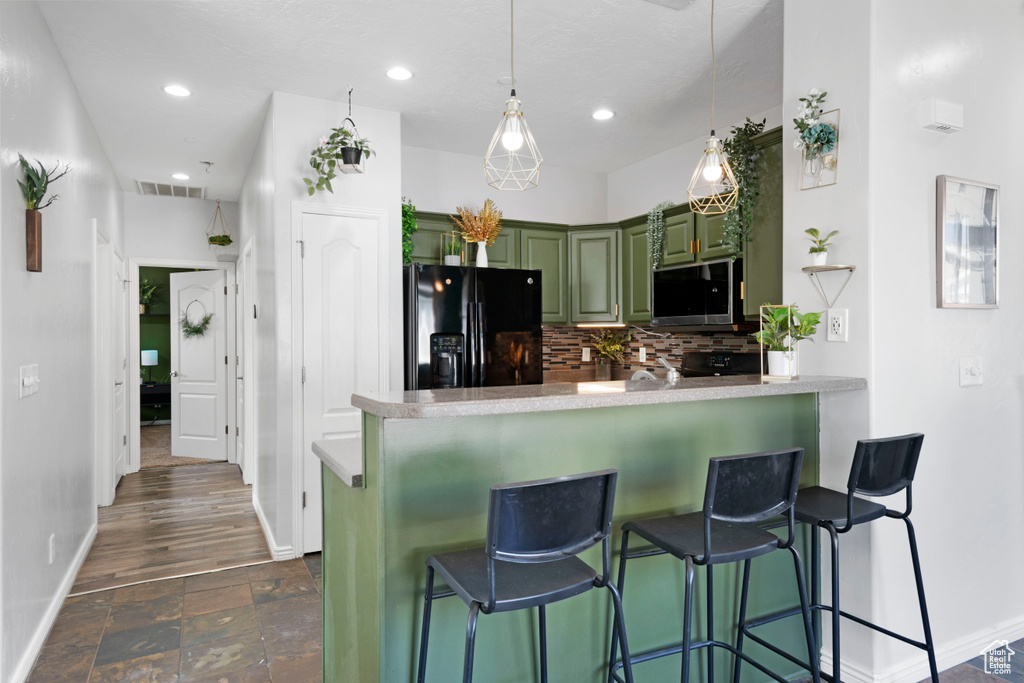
(471, 327)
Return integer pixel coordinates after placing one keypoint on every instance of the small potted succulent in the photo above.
(819, 252)
(611, 346)
(451, 250)
(781, 328)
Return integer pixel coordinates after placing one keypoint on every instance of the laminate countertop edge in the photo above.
(575, 396)
(344, 462)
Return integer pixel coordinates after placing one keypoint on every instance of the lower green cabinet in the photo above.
(636, 276)
(594, 276)
(548, 252)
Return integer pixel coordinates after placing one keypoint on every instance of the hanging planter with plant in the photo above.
(656, 232)
(343, 151)
(743, 155)
(190, 329)
(218, 234)
(37, 182)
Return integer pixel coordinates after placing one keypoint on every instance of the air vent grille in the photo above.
(150, 187)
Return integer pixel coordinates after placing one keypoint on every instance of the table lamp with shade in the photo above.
(149, 359)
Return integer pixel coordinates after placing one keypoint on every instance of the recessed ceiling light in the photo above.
(603, 114)
(399, 73)
(180, 176)
(177, 90)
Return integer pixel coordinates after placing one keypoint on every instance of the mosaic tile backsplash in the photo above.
(563, 347)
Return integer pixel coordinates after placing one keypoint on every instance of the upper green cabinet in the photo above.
(678, 241)
(426, 241)
(594, 276)
(709, 238)
(504, 253)
(636, 275)
(548, 252)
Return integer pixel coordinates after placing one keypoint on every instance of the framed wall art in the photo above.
(966, 243)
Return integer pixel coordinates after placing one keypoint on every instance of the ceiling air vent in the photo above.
(150, 187)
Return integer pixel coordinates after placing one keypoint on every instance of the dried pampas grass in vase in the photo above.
(481, 226)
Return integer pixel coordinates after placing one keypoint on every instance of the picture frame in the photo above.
(966, 243)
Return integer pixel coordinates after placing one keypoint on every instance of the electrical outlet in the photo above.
(643, 354)
(970, 371)
(838, 324)
(586, 354)
(52, 547)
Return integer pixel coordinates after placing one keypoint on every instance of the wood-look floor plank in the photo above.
(172, 522)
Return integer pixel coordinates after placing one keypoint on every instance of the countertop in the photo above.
(532, 398)
(340, 457)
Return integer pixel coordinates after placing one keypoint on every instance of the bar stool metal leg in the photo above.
(542, 619)
(834, 554)
(805, 609)
(925, 622)
(621, 583)
(742, 619)
(688, 620)
(428, 600)
(467, 669)
(711, 621)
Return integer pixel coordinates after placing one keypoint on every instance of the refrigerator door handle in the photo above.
(479, 346)
(471, 367)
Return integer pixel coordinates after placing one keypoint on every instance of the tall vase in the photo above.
(602, 369)
(481, 254)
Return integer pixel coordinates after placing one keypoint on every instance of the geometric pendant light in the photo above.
(512, 161)
(713, 188)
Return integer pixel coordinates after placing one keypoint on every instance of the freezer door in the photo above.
(436, 302)
(508, 333)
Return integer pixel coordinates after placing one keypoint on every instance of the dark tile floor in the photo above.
(973, 671)
(253, 624)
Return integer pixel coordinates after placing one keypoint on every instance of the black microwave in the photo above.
(698, 294)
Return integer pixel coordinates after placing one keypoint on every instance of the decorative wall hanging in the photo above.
(512, 161)
(966, 238)
(343, 151)
(481, 227)
(712, 188)
(34, 190)
(190, 329)
(656, 232)
(818, 142)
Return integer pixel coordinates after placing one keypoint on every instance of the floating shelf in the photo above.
(815, 271)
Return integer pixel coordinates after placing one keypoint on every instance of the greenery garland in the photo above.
(656, 232)
(409, 226)
(743, 157)
(190, 329)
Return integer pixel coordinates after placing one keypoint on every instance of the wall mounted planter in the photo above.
(34, 240)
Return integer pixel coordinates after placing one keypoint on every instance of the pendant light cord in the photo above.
(713, 67)
(512, 41)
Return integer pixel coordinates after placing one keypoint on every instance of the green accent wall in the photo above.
(155, 333)
(427, 484)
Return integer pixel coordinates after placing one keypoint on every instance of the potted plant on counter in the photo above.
(819, 252)
(781, 328)
(611, 346)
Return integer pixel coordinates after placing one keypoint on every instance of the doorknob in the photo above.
(117, 384)
(174, 373)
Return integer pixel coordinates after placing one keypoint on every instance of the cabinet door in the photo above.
(426, 241)
(678, 236)
(547, 251)
(594, 276)
(636, 276)
(762, 262)
(504, 253)
(709, 233)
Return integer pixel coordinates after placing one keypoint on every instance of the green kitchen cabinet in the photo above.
(678, 237)
(426, 241)
(762, 263)
(504, 253)
(636, 276)
(594, 276)
(548, 252)
(709, 233)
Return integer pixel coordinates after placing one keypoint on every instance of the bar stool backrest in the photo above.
(882, 467)
(747, 489)
(550, 519)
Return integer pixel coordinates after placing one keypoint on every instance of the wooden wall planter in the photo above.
(34, 240)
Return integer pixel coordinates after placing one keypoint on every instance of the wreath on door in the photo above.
(191, 329)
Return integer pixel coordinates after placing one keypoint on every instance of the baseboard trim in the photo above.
(957, 652)
(32, 650)
(278, 552)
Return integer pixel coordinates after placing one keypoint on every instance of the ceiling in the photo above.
(649, 63)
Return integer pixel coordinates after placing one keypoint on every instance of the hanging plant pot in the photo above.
(34, 240)
(351, 155)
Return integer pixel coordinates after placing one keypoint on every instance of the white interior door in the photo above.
(120, 368)
(199, 364)
(340, 348)
(240, 287)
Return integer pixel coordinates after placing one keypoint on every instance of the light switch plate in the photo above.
(643, 354)
(970, 371)
(586, 354)
(28, 380)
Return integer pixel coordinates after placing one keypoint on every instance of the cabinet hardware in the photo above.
(693, 246)
(616, 310)
(698, 246)
(743, 291)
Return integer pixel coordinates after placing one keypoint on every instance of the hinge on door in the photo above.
(124, 439)
(302, 248)
(236, 360)
(225, 360)
(225, 290)
(236, 431)
(303, 499)
(225, 429)
(236, 288)
(303, 374)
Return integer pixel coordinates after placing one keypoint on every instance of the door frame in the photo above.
(384, 292)
(134, 360)
(103, 410)
(245, 319)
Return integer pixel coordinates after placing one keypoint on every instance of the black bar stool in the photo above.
(741, 491)
(881, 467)
(535, 529)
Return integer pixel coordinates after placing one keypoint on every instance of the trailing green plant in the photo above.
(190, 329)
(326, 158)
(784, 326)
(821, 244)
(38, 182)
(220, 240)
(150, 292)
(656, 232)
(409, 227)
(611, 344)
(743, 157)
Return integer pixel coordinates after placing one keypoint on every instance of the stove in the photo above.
(719, 363)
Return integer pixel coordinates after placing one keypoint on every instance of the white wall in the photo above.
(47, 465)
(293, 127)
(173, 227)
(441, 181)
(637, 188)
(968, 491)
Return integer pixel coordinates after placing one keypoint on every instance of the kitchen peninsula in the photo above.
(429, 458)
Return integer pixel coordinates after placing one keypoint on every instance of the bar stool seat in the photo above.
(816, 504)
(683, 535)
(516, 586)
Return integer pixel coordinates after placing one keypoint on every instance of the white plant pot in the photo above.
(780, 363)
(453, 260)
(481, 254)
(819, 259)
